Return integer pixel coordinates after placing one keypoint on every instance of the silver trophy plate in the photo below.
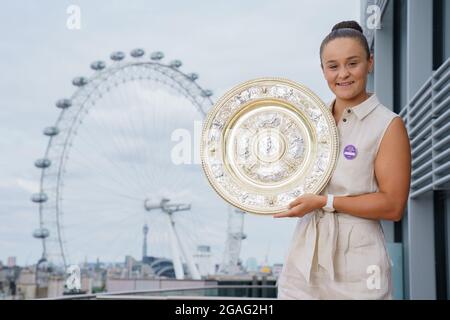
(266, 142)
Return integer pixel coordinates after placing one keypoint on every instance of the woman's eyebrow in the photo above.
(349, 58)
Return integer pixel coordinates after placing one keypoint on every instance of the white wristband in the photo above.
(329, 206)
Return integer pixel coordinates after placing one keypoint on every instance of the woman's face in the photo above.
(345, 67)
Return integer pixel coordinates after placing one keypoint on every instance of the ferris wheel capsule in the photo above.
(51, 131)
(137, 53)
(98, 65)
(117, 56)
(207, 93)
(193, 76)
(158, 55)
(41, 233)
(39, 197)
(63, 103)
(79, 81)
(175, 63)
(42, 163)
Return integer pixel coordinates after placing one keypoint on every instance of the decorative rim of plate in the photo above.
(273, 82)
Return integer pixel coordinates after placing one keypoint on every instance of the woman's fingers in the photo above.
(298, 211)
(296, 202)
(282, 215)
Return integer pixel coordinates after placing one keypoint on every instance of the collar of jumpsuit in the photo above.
(317, 240)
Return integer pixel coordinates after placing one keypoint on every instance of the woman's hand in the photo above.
(303, 205)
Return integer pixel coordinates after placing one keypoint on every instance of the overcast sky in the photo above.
(226, 42)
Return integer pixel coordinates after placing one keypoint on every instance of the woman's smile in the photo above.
(345, 83)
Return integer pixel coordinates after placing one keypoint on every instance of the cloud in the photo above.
(28, 185)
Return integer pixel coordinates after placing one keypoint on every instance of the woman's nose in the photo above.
(343, 73)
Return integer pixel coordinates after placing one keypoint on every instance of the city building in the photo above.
(203, 260)
(11, 262)
(252, 265)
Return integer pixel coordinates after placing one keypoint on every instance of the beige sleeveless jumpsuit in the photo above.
(337, 255)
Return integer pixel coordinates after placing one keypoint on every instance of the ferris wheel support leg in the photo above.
(178, 267)
(191, 265)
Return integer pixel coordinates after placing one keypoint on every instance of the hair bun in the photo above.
(347, 25)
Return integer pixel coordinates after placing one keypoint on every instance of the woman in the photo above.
(338, 248)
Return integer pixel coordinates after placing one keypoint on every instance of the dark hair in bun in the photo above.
(347, 25)
(346, 29)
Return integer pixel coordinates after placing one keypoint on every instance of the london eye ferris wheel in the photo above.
(109, 160)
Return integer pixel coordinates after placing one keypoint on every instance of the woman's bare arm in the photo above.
(393, 174)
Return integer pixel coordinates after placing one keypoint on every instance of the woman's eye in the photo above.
(332, 67)
(353, 63)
